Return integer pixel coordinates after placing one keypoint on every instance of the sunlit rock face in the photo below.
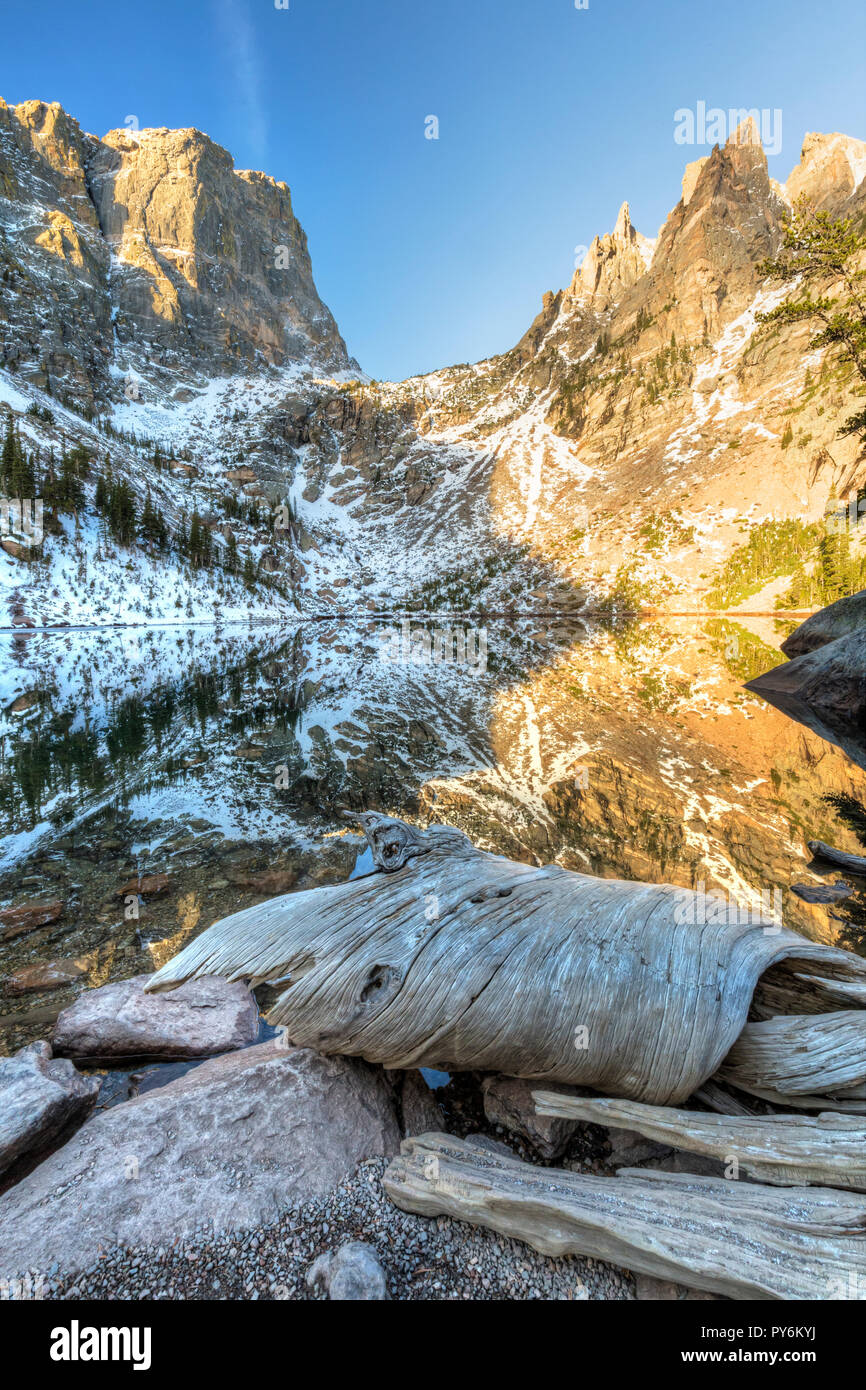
(619, 453)
(55, 313)
(210, 263)
(147, 249)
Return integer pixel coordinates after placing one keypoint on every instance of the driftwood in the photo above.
(725, 1102)
(802, 1056)
(783, 990)
(735, 1238)
(854, 863)
(788, 1150)
(459, 960)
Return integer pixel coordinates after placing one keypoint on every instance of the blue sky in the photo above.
(431, 252)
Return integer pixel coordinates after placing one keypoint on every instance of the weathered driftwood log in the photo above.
(854, 863)
(788, 1150)
(736, 1238)
(782, 990)
(461, 960)
(802, 1056)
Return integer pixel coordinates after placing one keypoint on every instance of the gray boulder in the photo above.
(41, 1098)
(837, 620)
(119, 1022)
(830, 680)
(229, 1146)
(508, 1102)
(351, 1274)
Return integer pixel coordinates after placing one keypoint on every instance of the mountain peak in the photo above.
(623, 227)
(832, 166)
(160, 255)
(612, 263)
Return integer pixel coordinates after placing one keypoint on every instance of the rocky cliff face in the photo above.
(146, 253)
(627, 445)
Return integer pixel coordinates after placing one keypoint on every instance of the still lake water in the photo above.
(223, 757)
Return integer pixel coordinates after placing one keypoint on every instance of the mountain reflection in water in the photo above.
(219, 757)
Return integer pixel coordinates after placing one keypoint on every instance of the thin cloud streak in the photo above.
(241, 42)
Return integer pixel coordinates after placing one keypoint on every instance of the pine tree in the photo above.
(8, 456)
(151, 528)
(230, 563)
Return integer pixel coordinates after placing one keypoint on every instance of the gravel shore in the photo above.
(423, 1258)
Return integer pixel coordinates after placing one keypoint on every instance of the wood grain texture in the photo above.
(788, 1150)
(460, 960)
(735, 1238)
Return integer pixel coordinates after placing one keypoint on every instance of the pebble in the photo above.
(424, 1259)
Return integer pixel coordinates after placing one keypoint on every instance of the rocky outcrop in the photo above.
(119, 1022)
(611, 265)
(229, 1146)
(837, 620)
(831, 680)
(211, 265)
(831, 168)
(146, 252)
(41, 1099)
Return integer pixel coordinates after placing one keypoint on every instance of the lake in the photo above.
(211, 766)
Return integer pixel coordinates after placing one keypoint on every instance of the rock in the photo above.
(421, 1113)
(837, 620)
(508, 1102)
(350, 1274)
(44, 975)
(119, 1022)
(270, 881)
(41, 1097)
(16, 550)
(190, 239)
(628, 1149)
(822, 892)
(249, 751)
(17, 921)
(24, 702)
(829, 171)
(151, 886)
(829, 679)
(229, 1146)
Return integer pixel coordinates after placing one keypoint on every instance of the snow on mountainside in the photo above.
(159, 317)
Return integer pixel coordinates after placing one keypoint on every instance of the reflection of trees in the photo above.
(131, 746)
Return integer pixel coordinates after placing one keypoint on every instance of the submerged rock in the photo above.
(120, 1022)
(26, 917)
(41, 1097)
(44, 975)
(229, 1146)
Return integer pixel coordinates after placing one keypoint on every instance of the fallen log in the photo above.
(782, 990)
(740, 1239)
(854, 863)
(458, 960)
(823, 1053)
(785, 1150)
